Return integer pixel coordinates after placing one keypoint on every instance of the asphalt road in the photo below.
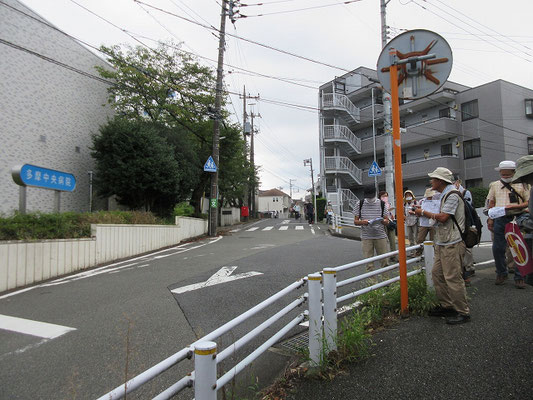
(118, 320)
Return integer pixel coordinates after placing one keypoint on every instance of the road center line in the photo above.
(34, 328)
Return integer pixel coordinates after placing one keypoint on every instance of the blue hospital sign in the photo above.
(31, 175)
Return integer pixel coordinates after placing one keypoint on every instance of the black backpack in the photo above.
(472, 233)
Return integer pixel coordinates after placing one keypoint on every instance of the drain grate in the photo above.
(297, 343)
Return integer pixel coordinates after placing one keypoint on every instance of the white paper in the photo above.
(432, 206)
(496, 212)
(375, 221)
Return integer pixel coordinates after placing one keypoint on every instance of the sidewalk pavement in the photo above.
(490, 357)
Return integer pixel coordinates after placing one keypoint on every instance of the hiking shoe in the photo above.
(458, 319)
(500, 279)
(440, 311)
(519, 284)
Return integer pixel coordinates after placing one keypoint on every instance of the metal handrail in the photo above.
(336, 100)
(344, 164)
(341, 132)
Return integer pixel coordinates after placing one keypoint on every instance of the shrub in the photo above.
(479, 194)
(183, 209)
(68, 225)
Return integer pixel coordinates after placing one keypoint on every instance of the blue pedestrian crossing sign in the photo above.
(210, 165)
(374, 169)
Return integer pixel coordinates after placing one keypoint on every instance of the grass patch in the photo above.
(67, 225)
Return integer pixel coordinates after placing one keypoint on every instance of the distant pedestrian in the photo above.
(426, 225)
(411, 220)
(391, 227)
(514, 198)
(310, 212)
(372, 217)
(449, 250)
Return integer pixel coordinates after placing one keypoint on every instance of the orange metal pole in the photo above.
(398, 183)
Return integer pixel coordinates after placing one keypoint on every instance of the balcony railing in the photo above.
(344, 165)
(349, 200)
(340, 132)
(340, 101)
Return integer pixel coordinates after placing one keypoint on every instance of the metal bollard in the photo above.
(205, 368)
(315, 318)
(330, 307)
(429, 256)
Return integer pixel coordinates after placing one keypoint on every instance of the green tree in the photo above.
(135, 163)
(172, 89)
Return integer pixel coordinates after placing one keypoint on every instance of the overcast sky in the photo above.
(489, 40)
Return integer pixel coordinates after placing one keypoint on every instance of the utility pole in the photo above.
(290, 186)
(247, 131)
(389, 178)
(213, 204)
(252, 186)
(309, 162)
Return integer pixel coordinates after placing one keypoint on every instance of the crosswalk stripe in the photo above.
(235, 230)
(268, 228)
(299, 228)
(252, 229)
(283, 228)
(34, 328)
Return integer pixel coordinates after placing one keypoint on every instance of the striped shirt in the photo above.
(369, 211)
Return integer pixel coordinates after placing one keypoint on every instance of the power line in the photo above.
(56, 62)
(466, 23)
(299, 9)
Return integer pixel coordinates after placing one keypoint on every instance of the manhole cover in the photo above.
(297, 343)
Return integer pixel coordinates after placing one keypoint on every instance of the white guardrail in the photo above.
(322, 315)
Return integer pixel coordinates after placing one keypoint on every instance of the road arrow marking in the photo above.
(222, 276)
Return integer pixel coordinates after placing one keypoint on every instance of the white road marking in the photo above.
(312, 231)
(283, 228)
(222, 276)
(252, 229)
(268, 228)
(286, 221)
(299, 228)
(235, 230)
(262, 246)
(25, 348)
(35, 328)
(88, 274)
(483, 263)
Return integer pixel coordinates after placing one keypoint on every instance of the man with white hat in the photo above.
(514, 197)
(449, 249)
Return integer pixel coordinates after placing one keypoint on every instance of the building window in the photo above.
(473, 183)
(404, 158)
(381, 162)
(529, 108)
(77, 149)
(444, 113)
(469, 110)
(472, 148)
(446, 150)
(530, 146)
(42, 138)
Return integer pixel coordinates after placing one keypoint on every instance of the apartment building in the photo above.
(52, 102)
(468, 130)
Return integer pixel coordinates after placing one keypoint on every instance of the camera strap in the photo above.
(511, 189)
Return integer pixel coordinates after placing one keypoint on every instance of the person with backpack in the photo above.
(468, 261)
(372, 217)
(514, 197)
(449, 249)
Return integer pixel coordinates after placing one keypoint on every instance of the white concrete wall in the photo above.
(23, 263)
(230, 219)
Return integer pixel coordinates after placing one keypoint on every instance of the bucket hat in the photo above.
(444, 174)
(506, 165)
(429, 193)
(524, 166)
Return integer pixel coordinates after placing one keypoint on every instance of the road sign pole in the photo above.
(398, 184)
